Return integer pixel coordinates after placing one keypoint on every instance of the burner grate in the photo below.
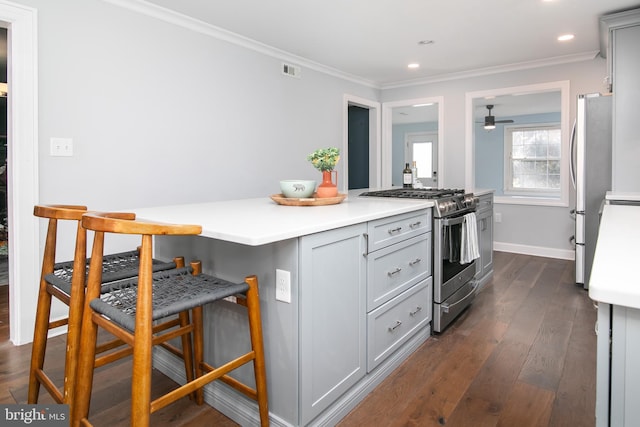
(415, 193)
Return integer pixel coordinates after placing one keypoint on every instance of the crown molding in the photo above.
(556, 60)
(176, 18)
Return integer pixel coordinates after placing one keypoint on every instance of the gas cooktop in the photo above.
(448, 202)
(415, 193)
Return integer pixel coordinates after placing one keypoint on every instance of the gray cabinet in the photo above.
(366, 290)
(618, 366)
(399, 284)
(332, 316)
(484, 217)
(621, 37)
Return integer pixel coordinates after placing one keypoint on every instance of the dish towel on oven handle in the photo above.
(469, 246)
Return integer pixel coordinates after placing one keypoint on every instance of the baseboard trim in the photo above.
(534, 250)
(244, 411)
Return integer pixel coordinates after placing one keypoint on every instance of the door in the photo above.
(358, 145)
(422, 148)
(333, 271)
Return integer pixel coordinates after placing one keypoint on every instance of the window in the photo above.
(533, 154)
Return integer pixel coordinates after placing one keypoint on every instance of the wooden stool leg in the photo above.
(255, 329)
(43, 311)
(198, 349)
(76, 305)
(39, 346)
(88, 338)
(143, 342)
(187, 349)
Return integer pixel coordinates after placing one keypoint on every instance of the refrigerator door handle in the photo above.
(572, 144)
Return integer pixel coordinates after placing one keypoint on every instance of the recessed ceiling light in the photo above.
(425, 42)
(413, 65)
(565, 37)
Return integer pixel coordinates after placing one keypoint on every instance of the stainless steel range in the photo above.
(453, 284)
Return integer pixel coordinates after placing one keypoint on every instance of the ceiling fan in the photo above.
(490, 121)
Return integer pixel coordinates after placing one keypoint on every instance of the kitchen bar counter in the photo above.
(261, 221)
(330, 256)
(614, 279)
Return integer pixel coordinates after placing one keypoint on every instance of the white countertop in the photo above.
(614, 274)
(260, 221)
(482, 191)
(622, 196)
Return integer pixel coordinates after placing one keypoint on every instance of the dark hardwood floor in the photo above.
(522, 355)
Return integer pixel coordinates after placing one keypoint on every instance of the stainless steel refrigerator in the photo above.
(591, 145)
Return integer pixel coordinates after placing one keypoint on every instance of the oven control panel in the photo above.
(456, 205)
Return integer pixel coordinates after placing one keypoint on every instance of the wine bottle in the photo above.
(407, 179)
(414, 172)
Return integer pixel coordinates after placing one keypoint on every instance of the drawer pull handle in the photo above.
(394, 327)
(415, 224)
(392, 273)
(413, 313)
(414, 262)
(394, 230)
(366, 244)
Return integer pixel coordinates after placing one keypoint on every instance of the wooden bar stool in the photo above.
(66, 281)
(131, 306)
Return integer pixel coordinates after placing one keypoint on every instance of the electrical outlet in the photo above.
(283, 286)
(498, 217)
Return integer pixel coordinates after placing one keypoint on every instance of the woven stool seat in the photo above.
(115, 267)
(174, 291)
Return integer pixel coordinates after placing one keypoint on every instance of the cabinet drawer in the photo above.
(395, 268)
(393, 323)
(387, 231)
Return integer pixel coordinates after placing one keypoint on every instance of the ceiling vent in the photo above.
(291, 70)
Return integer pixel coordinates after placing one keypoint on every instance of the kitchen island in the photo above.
(615, 286)
(359, 300)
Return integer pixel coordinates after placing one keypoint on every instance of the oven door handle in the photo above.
(446, 306)
(452, 221)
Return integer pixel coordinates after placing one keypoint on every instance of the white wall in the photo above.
(160, 114)
(529, 229)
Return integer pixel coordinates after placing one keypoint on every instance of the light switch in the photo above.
(61, 147)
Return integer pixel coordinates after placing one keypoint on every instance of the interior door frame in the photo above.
(432, 136)
(375, 149)
(387, 136)
(22, 167)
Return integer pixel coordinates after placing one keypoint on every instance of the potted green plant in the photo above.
(325, 159)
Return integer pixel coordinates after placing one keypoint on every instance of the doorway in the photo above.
(362, 151)
(22, 167)
(358, 146)
(421, 149)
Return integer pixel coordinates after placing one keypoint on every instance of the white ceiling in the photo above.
(374, 40)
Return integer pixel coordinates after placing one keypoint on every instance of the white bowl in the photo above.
(297, 188)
